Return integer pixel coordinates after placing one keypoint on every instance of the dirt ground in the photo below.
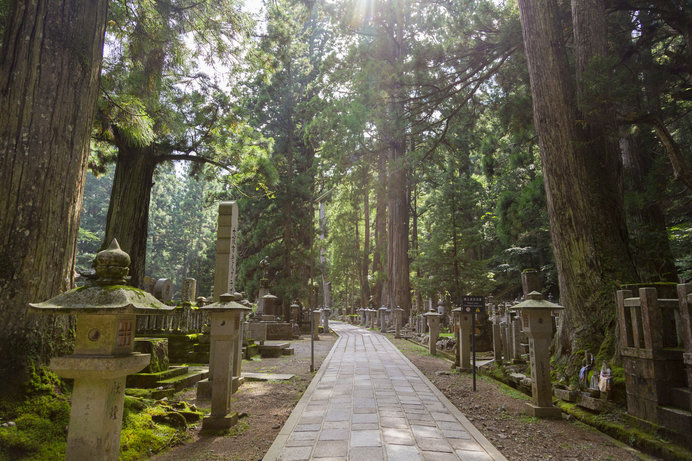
(497, 412)
(264, 408)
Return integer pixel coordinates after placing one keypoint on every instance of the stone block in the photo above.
(158, 348)
(565, 394)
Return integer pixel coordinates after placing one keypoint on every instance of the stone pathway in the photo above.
(368, 402)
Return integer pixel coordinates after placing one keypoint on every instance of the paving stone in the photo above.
(465, 444)
(434, 445)
(366, 438)
(386, 421)
(455, 434)
(307, 427)
(334, 434)
(295, 453)
(364, 426)
(402, 453)
(437, 456)
(366, 453)
(331, 449)
(364, 418)
(421, 432)
(396, 436)
(335, 425)
(441, 416)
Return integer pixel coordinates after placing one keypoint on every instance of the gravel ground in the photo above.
(266, 405)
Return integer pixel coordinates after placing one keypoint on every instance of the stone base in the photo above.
(543, 412)
(236, 382)
(219, 423)
(565, 394)
(204, 390)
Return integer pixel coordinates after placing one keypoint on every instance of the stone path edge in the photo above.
(281, 439)
(480, 438)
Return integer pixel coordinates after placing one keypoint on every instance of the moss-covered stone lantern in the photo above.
(225, 321)
(537, 313)
(433, 319)
(106, 310)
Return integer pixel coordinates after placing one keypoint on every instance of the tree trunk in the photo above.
(581, 170)
(128, 210)
(365, 265)
(49, 68)
(379, 260)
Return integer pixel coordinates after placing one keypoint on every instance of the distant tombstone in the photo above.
(189, 290)
(163, 289)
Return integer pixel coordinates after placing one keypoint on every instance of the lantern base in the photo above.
(219, 423)
(543, 412)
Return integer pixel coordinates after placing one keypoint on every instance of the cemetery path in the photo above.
(369, 402)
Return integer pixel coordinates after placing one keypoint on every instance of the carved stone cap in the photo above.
(226, 303)
(534, 300)
(107, 294)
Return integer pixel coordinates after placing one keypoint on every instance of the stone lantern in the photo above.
(383, 318)
(538, 314)
(225, 321)
(295, 312)
(433, 319)
(106, 310)
(398, 319)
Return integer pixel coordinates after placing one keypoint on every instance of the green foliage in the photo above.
(41, 418)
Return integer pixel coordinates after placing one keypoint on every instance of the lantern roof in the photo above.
(535, 300)
(106, 291)
(226, 303)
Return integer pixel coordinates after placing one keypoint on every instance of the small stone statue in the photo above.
(605, 378)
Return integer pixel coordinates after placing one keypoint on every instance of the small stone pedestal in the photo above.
(316, 324)
(433, 319)
(106, 312)
(538, 313)
(463, 338)
(398, 318)
(383, 318)
(325, 319)
(225, 322)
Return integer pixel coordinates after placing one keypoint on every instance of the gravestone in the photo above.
(433, 319)
(163, 290)
(189, 290)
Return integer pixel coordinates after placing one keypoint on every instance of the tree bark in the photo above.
(128, 209)
(581, 171)
(379, 259)
(365, 264)
(49, 68)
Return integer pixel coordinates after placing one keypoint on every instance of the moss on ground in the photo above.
(42, 415)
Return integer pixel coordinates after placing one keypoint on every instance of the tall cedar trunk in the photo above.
(49, 68)
(365, 264)
(128, 210)
(379, 260)
(581, 171)
(398, 199)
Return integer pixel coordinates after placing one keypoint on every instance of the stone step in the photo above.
(151, 380)
(675, 419)
(184, 381)
(250, 351)
(681, 397)
(273, 350)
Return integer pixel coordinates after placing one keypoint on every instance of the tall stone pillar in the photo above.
(316, 324)
(398, 319)
(465, 339)
(225, 319)
(433, 319)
